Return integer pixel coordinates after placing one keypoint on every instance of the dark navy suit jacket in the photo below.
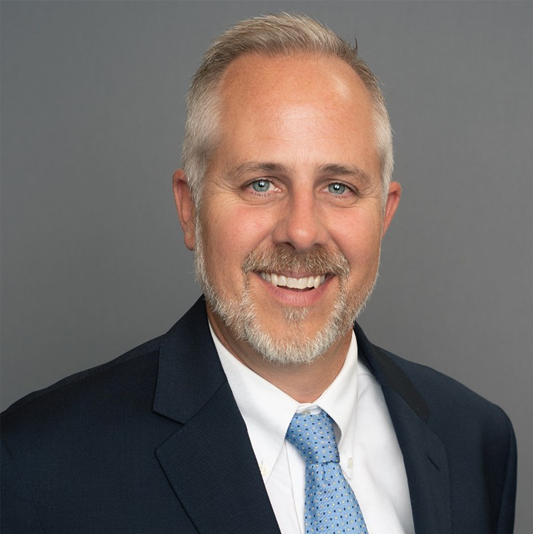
(153, 442)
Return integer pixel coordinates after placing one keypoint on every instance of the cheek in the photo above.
(231, 234)
(237, 223)
(359, 240)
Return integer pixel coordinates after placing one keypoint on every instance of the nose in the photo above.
(300, 224)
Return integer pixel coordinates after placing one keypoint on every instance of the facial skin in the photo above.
(293, 190)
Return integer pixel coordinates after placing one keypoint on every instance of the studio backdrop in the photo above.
(92, 118)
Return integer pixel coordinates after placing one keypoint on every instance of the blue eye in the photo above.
(337, 189)
(261, 186)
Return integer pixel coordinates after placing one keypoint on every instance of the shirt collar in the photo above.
(267, 411)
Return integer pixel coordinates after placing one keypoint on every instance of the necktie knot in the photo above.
(313, 436)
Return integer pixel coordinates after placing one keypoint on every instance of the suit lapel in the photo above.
(426, 465)
(213, 471)
(425, 456)
(209, 461)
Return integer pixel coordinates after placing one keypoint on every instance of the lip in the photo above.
(296, 298)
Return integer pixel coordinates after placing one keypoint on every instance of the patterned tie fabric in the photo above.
(330, 503)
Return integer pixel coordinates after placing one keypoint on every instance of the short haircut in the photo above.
(269, 35)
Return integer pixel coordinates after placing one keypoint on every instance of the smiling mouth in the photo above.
(304, 283)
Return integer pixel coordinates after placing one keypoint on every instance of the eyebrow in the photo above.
(255, 166)
(345, 170)
(335, 169)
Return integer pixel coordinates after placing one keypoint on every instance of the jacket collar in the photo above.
(189, 370)
(389, 375)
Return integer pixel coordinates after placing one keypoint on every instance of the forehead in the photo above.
(297, 81)
(296, 107)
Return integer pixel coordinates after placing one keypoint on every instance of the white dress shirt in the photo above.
(370, 456)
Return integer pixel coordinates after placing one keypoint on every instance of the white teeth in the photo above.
(294, 283)
(302, 283)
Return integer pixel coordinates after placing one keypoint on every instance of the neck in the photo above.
(303, 382)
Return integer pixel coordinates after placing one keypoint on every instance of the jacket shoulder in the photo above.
(450, 402)
(98, 383)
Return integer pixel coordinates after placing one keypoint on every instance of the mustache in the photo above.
(279, 259)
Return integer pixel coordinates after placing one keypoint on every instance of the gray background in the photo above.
(92, 120)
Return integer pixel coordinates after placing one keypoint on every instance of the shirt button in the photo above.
(350, 463)
(263, 468)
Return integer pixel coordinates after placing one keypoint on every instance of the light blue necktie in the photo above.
(330, 503)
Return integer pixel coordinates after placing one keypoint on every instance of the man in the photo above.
(284, 196)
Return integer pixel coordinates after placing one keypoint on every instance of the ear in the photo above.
(393, 200)
(185, 207)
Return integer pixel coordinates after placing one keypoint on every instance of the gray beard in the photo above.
(240, 318)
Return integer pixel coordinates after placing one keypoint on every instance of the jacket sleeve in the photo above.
(507, 506)
(17, 510)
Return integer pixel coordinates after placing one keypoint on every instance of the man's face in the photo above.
(288, 235)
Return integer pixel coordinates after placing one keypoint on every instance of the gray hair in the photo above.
(269, 35)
